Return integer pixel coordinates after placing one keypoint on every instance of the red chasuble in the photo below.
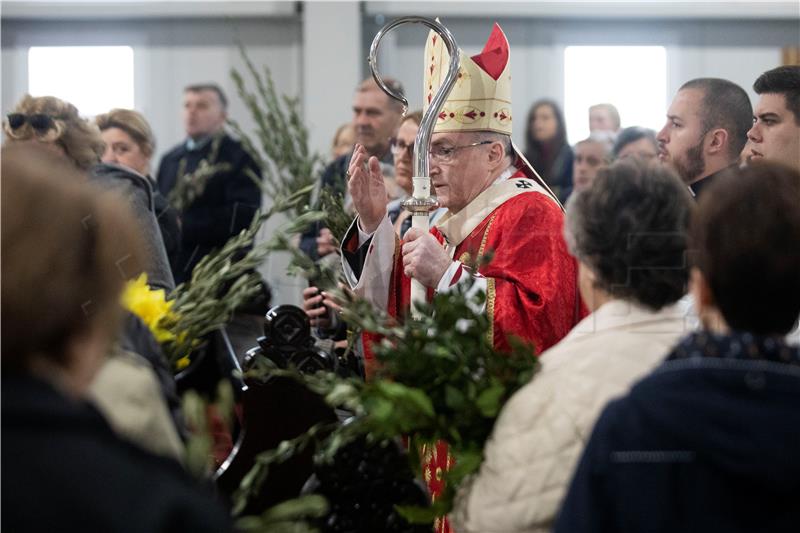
(531, 281)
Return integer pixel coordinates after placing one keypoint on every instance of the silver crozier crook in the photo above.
(421, 202)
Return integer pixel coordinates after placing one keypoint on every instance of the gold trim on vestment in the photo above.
(484, 239)
(490, 296)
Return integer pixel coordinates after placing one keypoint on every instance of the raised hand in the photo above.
(366, 187)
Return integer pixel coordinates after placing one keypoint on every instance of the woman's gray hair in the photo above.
(630, 228)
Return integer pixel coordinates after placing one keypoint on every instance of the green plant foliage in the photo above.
(287, 165)
(440, 379)
(331, 203)
(286, 517)
(190, 185)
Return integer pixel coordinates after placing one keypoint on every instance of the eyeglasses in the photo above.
(399, 148)
(445, 154)
(40, 123)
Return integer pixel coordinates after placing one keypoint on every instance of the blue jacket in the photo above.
(709, 442)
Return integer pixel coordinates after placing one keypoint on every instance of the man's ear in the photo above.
(496, 154)
(717, 141)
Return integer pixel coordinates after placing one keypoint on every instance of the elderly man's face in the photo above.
(775, 135)
(589, 157)
(375, 119)
(680, 141)
(203, 113)
(462, 176)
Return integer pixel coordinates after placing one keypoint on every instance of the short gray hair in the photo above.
(494, 136)
(369, 84)
(630, 228)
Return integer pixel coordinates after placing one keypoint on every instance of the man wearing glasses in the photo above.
(496, 205)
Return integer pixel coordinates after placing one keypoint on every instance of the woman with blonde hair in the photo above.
(57, 125)
(129, 142)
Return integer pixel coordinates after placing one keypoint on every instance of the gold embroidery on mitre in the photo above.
(439, 473)
(474, 87)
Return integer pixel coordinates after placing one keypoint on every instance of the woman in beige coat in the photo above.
(628, 233)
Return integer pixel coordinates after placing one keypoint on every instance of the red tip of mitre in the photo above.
(494, 57)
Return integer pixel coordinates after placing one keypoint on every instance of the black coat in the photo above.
(226, 206)
(65, 470)
(708, 442)
(169, 224)
(333, 179)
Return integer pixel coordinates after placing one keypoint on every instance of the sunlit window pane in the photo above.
(92, 78)
(633, 78)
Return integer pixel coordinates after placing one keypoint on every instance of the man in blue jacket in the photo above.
(216, 205)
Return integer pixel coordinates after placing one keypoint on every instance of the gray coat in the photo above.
(137, 190)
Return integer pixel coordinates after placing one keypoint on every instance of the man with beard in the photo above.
(706, 130)
(775, 135)
(376, 118)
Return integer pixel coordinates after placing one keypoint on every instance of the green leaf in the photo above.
(415, 397)
(307, 506)
(421, 515)
(453, 398)
(341, 393)
(488, 401)
(466, 462)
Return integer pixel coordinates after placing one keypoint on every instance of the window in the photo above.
(94, 79)
(632, 78)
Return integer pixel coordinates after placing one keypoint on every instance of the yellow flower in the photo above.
(182, 363)
(151, 306)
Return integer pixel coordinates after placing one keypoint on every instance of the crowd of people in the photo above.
(602, 254)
